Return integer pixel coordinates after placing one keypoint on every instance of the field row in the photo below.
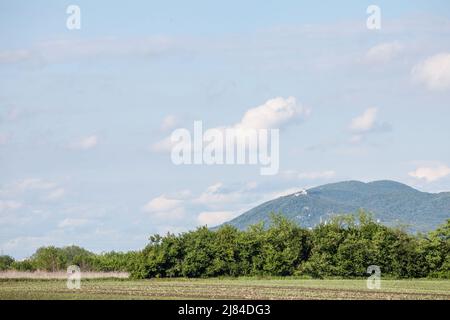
(224, 289)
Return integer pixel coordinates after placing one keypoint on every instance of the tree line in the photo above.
(342, 247)
(58, 259)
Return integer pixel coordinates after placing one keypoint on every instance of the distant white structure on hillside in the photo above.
(301, 193)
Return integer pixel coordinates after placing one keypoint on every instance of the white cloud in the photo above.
(217, 194)
(169, 215)
(274, 114)
(72, 222)
(161, 203)
(430, 174)
(164, 207)
(434, 72)
(214, 218)
(383, 52)
(364, 122)
(86, 143)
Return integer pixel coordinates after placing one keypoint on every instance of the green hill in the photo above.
(392, 203)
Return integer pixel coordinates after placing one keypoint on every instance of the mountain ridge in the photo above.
(391, 202)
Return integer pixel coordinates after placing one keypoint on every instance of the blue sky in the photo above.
(83, 112)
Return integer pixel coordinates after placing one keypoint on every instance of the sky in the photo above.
(86, 114)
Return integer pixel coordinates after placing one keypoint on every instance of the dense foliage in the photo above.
(57, 259)
(342, 247)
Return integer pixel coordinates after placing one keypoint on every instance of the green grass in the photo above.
(245, 288)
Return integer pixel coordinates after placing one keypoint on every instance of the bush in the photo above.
(342, 247)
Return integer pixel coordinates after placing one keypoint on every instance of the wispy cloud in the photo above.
(72, 222)
(164, 207)
(60, 51)
(14, 56)
(433, 72)
(161, 203)
(383, 52)
(218, 195)
(85, 143)
(365, 124)
(430, 173)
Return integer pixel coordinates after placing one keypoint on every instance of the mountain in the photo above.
(392, 203)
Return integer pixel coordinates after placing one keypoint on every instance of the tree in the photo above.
(435, 249)
(5, 262)
(326, 239)
(199, 253)
(354, 255)
(49, 259)
(225, 253)
(249, 250)
(286, 245)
